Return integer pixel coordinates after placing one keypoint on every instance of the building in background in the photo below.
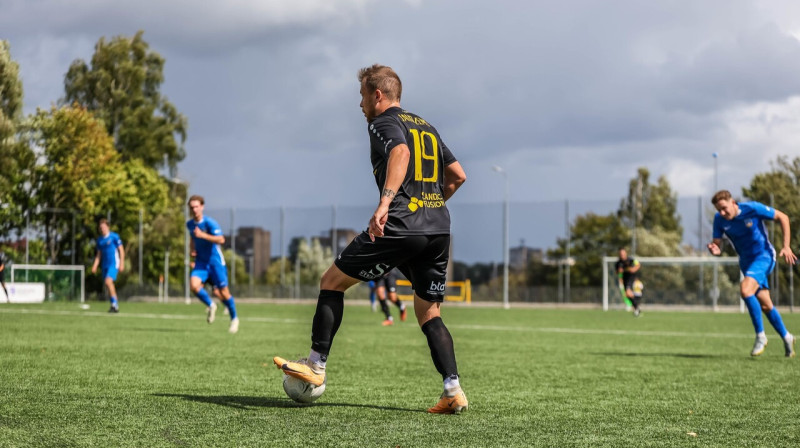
(253, 244)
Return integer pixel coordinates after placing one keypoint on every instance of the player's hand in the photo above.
(121, 267)
(94, 269)
(714, 249)
(378, 221)
(788, 255)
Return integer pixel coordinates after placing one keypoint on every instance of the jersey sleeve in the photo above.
(716, 232)
(117, 240)
(447, 155)
(763, 211)
(385, 133)
(214, 228)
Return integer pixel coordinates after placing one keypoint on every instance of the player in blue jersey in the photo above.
(110, 257)
(209, 264)
(744, 226)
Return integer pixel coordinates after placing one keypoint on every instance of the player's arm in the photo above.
(454, 177)
(786, 252)
(96, 261)
(396, 169)
(121, 250)
(216, 239)
(635, 266)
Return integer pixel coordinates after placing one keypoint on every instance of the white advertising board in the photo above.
(25, 292)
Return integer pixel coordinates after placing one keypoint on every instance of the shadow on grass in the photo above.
(661, 355)
(246, 403)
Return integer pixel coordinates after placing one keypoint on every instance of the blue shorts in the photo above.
(214, 272)
(758, 268)
(110, 272)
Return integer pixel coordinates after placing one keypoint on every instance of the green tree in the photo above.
(593, 237)
(654, 205)
(16, 158)
(122, 88)
(782, 184)
(80, 171)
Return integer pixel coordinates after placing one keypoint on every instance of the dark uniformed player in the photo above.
(3, 275)
(386, 289)
(628, 272)
(410, 229)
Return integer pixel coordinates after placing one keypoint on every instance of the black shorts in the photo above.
(421, 258)
(3, 276)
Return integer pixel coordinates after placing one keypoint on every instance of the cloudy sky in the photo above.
(568, 97)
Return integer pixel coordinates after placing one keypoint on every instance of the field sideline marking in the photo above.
(200, 316)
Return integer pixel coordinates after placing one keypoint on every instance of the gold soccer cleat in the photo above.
(300, 370)
(450, 405)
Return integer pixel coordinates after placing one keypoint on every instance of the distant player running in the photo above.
(410, 229)
(628, 273)
(744, 225)
(209, 264)
(386, 289)
(110, 256)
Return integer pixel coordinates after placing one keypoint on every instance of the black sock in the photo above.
(399, 304)
(330, 308)
(441, 345)
(385, 308)
(635, 302)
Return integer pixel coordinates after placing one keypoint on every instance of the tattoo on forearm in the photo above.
(388, 193)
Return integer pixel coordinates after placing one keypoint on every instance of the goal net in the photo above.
(61, 282)
(690, 281)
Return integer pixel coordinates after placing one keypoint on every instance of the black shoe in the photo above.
(113, 309)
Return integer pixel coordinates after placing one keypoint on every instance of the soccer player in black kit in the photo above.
(628, 273)
(410, 229)
(386, 291)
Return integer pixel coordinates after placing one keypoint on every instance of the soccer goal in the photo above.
(684, 281)
(61, 282)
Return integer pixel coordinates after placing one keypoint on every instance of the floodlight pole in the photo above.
(506, 257)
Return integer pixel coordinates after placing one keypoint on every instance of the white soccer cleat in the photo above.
(212, 312)
(788, 343)
(759, 345)
(234, 326)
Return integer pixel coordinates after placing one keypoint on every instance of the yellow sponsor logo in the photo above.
(429, 200)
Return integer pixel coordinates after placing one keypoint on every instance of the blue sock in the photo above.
(231, 307)
(775, 319)
(754, 308)
(203, 296)
(114, 303)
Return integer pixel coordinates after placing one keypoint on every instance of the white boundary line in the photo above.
(199, 317)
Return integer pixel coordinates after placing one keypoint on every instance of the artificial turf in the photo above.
(159, 375)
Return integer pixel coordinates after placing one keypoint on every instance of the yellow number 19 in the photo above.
(420, 154)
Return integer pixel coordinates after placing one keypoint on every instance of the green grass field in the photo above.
(158, 375)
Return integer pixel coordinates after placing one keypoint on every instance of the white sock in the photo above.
(788, 337)
(317, 359)
(761, 335)
(451, 385)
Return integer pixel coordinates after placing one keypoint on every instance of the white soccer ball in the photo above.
(300, 391)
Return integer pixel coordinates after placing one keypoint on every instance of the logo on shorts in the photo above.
(376, 272)
(437, 288)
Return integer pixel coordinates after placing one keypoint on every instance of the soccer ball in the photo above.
(300, 391)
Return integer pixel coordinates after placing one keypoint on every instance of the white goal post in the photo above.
(51, 267)
(700, 262)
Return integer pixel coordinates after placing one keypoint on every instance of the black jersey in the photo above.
(418, 208)
(627, 277)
